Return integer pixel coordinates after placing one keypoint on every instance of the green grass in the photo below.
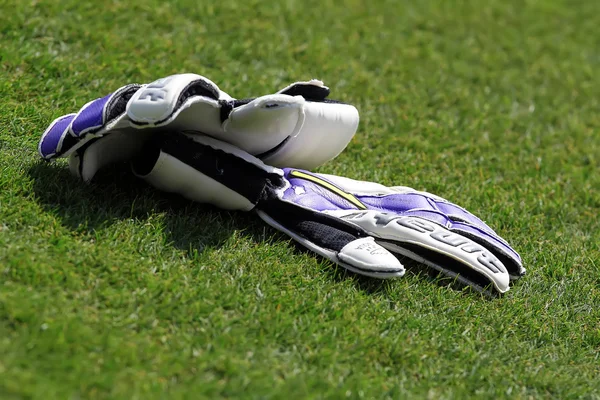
(116, 291)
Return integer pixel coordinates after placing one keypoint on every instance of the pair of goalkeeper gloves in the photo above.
(183, 134)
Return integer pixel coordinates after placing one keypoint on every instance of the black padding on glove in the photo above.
(195, 88)
(323, 235)
(228, 106)
(309, 92)
(145, 161)
(119, 103)
(321, 229)
(455, 268)
(245, 178)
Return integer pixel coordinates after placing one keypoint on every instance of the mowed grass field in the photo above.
(116, 291)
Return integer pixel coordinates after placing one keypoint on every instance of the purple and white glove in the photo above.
(361, 226)
(297, 126)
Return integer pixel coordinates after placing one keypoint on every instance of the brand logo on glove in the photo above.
(485, 258)
(155, 91)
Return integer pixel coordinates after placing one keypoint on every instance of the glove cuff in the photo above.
(206, 170)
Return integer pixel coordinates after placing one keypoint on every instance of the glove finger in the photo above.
(205, 170)
(464, 222)
(509, 257)
(97, 114)
(321, 133)
(68, 133)
(53, 139)
(291, 131)
(264, 124)
(457, 219)
(296, 127)
(400, 201)
(433, 245)
(90, 117)
(478, 232)
(329, 238)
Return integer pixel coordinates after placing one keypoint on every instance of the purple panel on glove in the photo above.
(315, 197)
(52, 139)
(399, 203)
(320, 198)
(90, 117)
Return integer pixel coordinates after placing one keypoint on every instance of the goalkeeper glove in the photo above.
(297, 126)
(358, 225)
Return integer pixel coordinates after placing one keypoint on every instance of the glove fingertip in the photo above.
(366, 255)
(521, 272)
(52, 139)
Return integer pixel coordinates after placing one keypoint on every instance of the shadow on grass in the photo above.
(117, 195)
